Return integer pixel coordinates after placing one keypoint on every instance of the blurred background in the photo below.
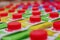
(6, 2)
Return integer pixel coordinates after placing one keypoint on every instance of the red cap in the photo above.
(11, 4)
(58, 7)
(21, 3)
(17, 5)
(17, 16)
(43, 2)
(54, 15)
(25, 7)
(29, 3)
(38, 35)
(48, 9)
(21, 11)
(0, 16)
(11, 10)
(34, 19)
(36, 13)
(56, 25)
(53, 4)
(1, 9)
(46, 5)
(36, 4)
(8, 6)
(58, 2)
(35, 8)
(3, 14)
(14, 26)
